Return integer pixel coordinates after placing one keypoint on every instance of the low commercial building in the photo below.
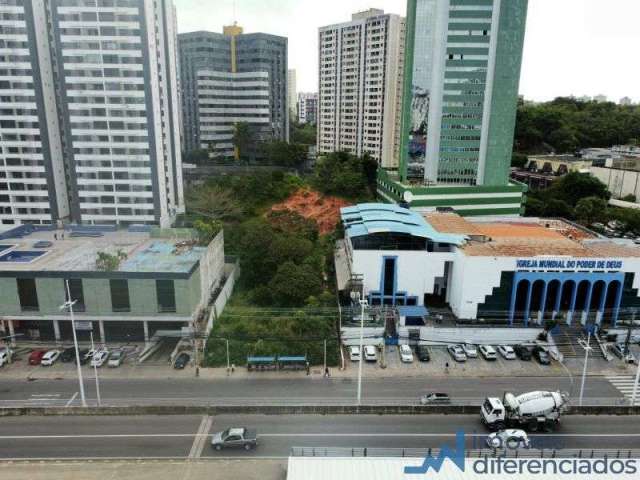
(126, 283)
(516, 271)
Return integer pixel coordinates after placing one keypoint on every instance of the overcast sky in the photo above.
(579, 47)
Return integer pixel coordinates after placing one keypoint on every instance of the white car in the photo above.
(406, 354)
(50, 358)
(354, 354)
(99, 358)
(370, 354)
(488, 352)
(5, 356)
(116, 358)
(507, 352)
(457, 353)
(511, 439)
(470, 350)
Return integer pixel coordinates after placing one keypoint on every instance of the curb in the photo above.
(287, 410)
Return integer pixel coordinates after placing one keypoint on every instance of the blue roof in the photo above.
(413, 311)
(367, 218)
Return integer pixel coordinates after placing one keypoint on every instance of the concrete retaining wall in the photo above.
(291, 410)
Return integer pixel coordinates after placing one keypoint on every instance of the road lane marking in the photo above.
(206, 435)
(201, 437)
(71, 399)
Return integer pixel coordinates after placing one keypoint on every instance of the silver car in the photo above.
(470, 350)
(457, 353)
(116, 358)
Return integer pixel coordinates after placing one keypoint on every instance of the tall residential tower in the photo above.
(361, 64)
(91, 125)
(462, 71)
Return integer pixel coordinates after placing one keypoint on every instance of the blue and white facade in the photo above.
(405, 260)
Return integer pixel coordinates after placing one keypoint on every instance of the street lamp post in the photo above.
(584, 368)
(69, 304)
(95, 370)
(635, 386)
(362, 305)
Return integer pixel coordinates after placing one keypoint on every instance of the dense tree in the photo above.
(567, 124)
(574, 186)
(293, 284)
(288, 221)
(302, 133)
(591, 209)
(207, 230)
(213, 202)
(282, 153)
(345, 175)
(245, 142)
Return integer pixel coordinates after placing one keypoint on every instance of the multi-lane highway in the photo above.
(309, 390)
(146, 437)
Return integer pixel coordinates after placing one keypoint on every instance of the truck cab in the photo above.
(492, 413)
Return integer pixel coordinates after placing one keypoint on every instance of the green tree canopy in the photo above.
(591, 209)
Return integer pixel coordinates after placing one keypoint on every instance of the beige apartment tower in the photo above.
(361, 66)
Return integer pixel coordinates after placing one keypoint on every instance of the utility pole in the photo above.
(325, 355)
(69, 304)
(584, 368)
(362, 304)
(95, 370)
(634, 395)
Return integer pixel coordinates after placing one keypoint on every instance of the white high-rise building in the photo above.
(361, 68)
(32, 176)
(626, 101)
(102, 81)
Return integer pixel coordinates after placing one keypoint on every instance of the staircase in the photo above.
(569, 340)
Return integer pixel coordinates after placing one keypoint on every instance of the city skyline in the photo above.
(578, 32)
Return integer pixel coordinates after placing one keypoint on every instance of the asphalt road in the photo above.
(188, 436)
(311, 390)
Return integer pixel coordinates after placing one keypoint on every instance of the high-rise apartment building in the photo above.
(307, 107)
(95, 112)
(361, 65)
(32, 177)
(229, 78)
(462, 71)
(292, 92)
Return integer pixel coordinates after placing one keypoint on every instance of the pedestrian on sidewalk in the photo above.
(326, 372)
(308, 370)
(446, 367)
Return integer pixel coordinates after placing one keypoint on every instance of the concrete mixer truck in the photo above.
(532, 411)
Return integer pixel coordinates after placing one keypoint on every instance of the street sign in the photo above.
(85, 326)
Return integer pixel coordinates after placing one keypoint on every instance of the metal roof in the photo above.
(367, 218)
(413, 311)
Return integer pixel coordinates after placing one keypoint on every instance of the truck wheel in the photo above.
(247, 446)
(218, 447)
(532, 426)
(498, 426)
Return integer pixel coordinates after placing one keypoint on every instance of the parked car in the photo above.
(354, 354)
(541, 354)
(622, 352)
(116, 358)
(510, 439)
(36, 356)
(406, 355)
(84, 356)
(5, 355)
(370, 354)
(470, 350)
(68, 355)
(524, 352)
(235, 438)
(435, 399)
(422, 352)
(181, 361)
(457, 353)
(99, 357)
(507, 352)
(488, 352)
(49, 358)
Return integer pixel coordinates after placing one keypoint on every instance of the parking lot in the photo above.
(390, 364)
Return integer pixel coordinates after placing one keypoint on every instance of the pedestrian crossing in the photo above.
(625, 384)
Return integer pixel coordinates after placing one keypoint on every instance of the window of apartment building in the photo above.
(27, 294)
(165, 292)
(75, 293)
(120, 295)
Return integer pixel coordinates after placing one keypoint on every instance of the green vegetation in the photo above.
(346, 175)
(107, 262)
(565, 125)
(303, 133)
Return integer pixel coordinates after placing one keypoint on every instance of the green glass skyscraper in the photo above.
(462, 71)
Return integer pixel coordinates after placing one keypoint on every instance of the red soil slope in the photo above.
(324, 210)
